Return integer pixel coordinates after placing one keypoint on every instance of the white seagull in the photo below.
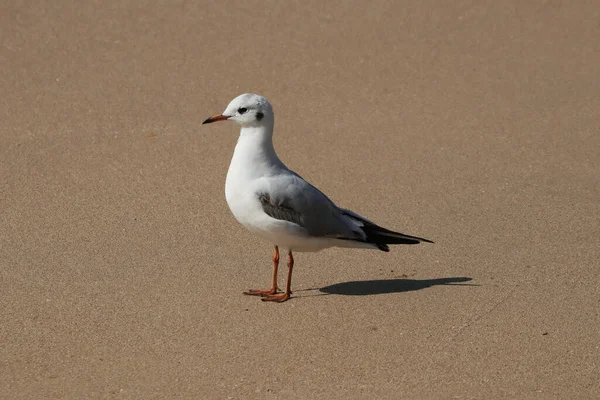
(275, 202)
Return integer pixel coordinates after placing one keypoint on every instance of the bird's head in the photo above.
(247, 110)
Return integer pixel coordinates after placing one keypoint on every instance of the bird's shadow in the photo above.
(382, 286)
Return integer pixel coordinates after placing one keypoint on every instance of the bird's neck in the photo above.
(254, 153)
(259, 138)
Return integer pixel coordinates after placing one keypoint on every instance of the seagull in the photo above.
(273, 201)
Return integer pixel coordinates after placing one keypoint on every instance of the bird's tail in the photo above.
(380, 236)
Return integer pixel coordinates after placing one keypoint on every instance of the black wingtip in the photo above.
(383, 247)
(381, 236)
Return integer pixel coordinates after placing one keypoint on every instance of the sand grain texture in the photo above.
(475, 124)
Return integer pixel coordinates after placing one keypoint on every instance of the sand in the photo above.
(475, 124)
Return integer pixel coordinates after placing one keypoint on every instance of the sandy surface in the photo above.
(475, 124)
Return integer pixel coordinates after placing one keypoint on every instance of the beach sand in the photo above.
(474, 124)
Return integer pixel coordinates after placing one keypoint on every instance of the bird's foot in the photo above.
(279, 297)
(261, 292)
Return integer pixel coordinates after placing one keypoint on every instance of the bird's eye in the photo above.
(242, 110)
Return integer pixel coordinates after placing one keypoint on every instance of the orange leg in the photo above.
(274, 288)
(281, 297)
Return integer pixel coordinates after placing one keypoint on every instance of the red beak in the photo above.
(215, 118)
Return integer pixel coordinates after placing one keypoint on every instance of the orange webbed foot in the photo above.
(278, 298)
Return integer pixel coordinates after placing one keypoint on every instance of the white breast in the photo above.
(253, 169)
(253, 159)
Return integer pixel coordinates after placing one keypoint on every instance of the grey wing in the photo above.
(281, 209)
(299, 202)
